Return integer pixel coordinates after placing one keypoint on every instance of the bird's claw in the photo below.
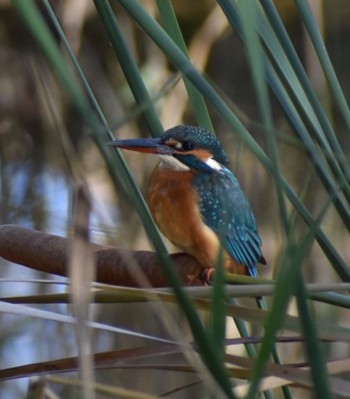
(207, 275)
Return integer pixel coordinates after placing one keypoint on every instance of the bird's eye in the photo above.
(187, 145)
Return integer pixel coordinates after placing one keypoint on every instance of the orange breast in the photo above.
(174, 205)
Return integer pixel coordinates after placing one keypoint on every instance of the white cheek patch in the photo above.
(213, 164)
(168, 161)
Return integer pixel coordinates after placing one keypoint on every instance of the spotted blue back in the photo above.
(226, 210)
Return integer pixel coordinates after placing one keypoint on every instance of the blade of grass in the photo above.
(172, 27)
(251, 289)
(76, 65)
(249, 17)
(218, 307)
(313, 348)
(81, 273)
(282, 295)
(327, 331)
(261, 303)
(290, 323)
(326, 293)
(332, 298)
(104, 389)
(325, 62)
(244, 333)
(128, 65)
(27, 311)
(287, 283)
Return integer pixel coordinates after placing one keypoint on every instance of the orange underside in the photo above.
(174, 206)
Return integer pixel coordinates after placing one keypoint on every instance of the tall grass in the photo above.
(277, 71)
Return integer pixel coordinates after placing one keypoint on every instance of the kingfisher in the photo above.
(197, 202)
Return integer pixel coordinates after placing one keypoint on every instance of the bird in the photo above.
(197, 202)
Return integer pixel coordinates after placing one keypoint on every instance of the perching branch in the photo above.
(49, 253)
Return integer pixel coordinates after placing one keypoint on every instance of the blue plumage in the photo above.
(226, 210)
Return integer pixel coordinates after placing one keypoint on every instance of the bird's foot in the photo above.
(207, 275)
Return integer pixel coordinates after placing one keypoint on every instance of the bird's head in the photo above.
(182, 147)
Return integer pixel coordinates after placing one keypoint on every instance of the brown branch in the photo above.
(48, 253)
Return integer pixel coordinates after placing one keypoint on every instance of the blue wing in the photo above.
(226, 210)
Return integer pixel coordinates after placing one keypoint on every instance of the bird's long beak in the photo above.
(151, 146)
